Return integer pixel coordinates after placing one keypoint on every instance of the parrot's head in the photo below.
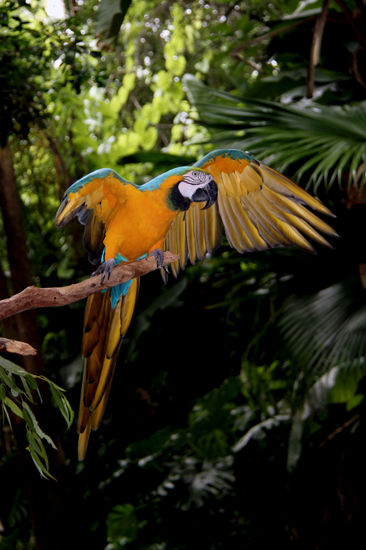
(195, 186)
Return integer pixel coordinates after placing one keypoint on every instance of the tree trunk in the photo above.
(19, 263)
(9, 325)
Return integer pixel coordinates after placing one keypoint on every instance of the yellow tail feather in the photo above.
(104, 328)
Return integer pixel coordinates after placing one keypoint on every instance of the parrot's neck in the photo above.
(176, 201)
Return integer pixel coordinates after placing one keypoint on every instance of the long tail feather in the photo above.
(104, 328)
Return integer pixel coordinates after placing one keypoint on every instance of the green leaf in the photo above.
(62, 403)
(38, 454)
(110, 16)
(12, 367)
(27, 389)
(5, 412)
(259, 430)
(8, 380)
(122, 524)
(13, 406)
(33, 425)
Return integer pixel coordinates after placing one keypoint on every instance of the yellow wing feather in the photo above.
(258, 207)
(101, 194)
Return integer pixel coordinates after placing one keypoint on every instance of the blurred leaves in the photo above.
(259, 430)
(110, 16)
(160, 160)
(122, 526)
(327, 329)
(21, 46)
(324, 144)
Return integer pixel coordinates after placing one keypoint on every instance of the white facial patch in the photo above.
(186, 189)
(192, 181)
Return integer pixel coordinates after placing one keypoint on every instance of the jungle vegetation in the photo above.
(251, 434)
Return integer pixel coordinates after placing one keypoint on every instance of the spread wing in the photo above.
(104, 329)
(258, 207)
(93, 200)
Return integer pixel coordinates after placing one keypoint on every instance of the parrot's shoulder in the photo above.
(158, 181)
(223, 157)
(97, 177)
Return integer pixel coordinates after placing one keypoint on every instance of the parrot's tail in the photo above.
(104, 329)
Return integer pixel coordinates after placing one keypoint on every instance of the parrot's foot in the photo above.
(165, 274)
(159, 257)
(105, 268)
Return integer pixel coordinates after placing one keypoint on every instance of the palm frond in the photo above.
(327, 330)
(325, 144)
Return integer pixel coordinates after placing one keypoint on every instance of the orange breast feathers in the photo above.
(139, 221)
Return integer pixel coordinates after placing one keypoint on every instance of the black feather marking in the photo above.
(258, 172)
(83, 214)
(177, 201)
(93, 238)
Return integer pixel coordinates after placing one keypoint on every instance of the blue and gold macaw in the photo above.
(258, 208)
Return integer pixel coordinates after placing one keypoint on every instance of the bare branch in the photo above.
(316, 46)
(33, 297)
(15, 346)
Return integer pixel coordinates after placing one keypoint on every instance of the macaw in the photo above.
(258, 207)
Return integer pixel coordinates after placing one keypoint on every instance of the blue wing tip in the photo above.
(101, 173)
(232, 153)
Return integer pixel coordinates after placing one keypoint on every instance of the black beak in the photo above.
(207, 193)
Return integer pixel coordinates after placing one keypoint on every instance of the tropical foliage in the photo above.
(18, 398)
(237, 413)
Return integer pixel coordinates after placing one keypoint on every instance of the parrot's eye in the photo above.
(196, 177)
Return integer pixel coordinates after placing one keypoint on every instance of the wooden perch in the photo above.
(34, 297)
(14, 346)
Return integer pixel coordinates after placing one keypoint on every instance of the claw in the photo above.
(159, 257)
(105, 268)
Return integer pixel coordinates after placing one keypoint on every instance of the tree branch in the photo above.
(316, 43)
(14, 346)
(34, 297)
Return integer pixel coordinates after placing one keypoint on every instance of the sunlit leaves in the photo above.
(21, 47)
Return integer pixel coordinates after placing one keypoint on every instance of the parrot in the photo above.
(186, 210)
